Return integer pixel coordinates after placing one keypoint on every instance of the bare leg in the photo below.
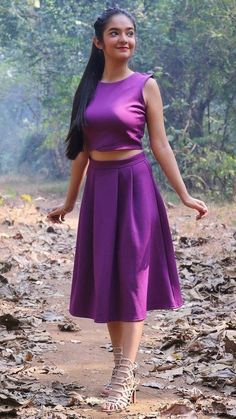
(126, 335)
(115, 331)
(131, 336)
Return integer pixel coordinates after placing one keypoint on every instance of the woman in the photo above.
(124, 262)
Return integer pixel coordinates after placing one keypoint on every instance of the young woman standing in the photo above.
(124, 262)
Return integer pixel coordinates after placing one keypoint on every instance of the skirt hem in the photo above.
(87, 316)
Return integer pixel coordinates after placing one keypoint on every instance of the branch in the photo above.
(198, 178)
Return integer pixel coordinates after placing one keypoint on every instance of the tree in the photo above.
(189, 44)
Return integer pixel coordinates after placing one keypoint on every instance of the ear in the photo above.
(96, 42)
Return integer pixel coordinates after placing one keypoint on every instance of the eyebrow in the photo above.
(117, 29)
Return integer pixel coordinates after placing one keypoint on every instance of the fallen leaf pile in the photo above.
(189, 352)
(33, 255)
(197, 344)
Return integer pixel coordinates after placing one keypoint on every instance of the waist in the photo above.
(113, 154)
(117, 163)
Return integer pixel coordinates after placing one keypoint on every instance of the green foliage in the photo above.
(190, 44)
(210, 170)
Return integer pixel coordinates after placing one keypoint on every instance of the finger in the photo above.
(201, 214)
(51, 215)
(54, 219)
(202, 210)
(204, 206)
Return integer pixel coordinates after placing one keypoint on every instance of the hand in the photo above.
(57, 215)
(196, 204)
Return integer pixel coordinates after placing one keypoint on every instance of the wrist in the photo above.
(184, 196)
(69, 206)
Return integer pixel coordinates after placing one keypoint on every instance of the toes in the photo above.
(108, 407)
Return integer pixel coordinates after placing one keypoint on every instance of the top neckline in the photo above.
(118, 81)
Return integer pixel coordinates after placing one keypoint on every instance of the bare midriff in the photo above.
(113, 155)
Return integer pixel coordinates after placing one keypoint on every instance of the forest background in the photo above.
(190, 46)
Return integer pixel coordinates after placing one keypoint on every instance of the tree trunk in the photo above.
(196, 126)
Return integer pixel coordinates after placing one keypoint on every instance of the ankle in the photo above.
(126, 366)
(117, 353)
(130, 357)
(117, 349)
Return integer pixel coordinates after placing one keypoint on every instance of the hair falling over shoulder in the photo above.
(88, 83)
(93, 73)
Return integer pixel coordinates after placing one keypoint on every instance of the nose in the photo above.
(123, 38)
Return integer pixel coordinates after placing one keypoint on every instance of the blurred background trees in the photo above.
(189, 44)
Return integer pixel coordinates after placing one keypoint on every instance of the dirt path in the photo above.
(83, 356)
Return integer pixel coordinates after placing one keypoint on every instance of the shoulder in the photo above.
(151, 90)
(145, 76)
(149, 82)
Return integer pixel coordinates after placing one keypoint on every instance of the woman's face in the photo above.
(118, 38)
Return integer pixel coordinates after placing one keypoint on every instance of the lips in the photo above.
(123, 48)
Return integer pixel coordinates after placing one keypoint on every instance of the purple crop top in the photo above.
(116, 114)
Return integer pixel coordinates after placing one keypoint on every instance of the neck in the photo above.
(113, 71)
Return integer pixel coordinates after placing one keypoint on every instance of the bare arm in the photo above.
(78, 171)
(162, 149)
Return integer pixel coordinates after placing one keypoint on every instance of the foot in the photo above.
(123, 391)
(117, 352)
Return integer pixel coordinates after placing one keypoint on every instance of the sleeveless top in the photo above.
(115, 117)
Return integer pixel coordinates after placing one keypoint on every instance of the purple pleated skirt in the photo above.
(124, 260)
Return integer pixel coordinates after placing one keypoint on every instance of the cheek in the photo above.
(111, 42)
(132, 43)
(108, 41)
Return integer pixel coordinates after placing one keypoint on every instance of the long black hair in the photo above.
(88, 83)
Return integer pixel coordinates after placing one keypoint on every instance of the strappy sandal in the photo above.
(117, 352)
(123, 391)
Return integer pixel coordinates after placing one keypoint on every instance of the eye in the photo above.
(113, 33)
(130, 33)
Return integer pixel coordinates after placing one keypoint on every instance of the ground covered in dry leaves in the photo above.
(53, 365)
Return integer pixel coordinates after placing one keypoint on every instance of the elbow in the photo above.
(83, 158)
(160, 146)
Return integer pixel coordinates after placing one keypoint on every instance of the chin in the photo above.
(126, 54)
